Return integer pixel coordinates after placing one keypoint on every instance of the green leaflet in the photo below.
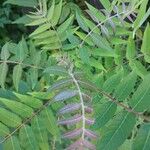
(116, 41)
(45, 34)
(56, 70)
(130, 53)
(4, 130)
(125, 87)
(3, 66)
(4, 71)
(44, 7)
(96, 64)
(22, 20)
(145, 44)
(37, 22)
(109, 63)
(47, 41)
(4, 52)
(9, 118)
(142, 12)
(50, 122)
(68, 47)
(103, 52)
(112, 82)
(17, 107)
(64, 26)
(106, 4)
(66, 10)
(140, 99)
(96, 13)
(12, 143)
(22, 50)
(41, 29)
(33, 77)
(103, 114)
(40, 132)
(51, 11)
(142, 140)
(91, 25)
(126, 145)
(83, 37)
(84, 55)
(81, 22)
(17, 73)
(117, 131)
(27, 138)
(138, 68)
(23, 3)
(28, 100)
(100, 42)
(52, 46)
(57, 13)
(118, 60)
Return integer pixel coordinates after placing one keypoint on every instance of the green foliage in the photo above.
(78, 78)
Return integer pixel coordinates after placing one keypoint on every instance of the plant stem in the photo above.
(82, 104)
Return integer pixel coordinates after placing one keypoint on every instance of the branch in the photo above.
(111, 17)
(82, 104)
(110, 98)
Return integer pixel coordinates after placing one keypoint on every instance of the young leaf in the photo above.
(70, 121)
(60, 84)
(72, 134)
(65, 95)
(69, 108)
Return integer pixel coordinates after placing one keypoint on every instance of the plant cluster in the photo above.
(79, 77)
